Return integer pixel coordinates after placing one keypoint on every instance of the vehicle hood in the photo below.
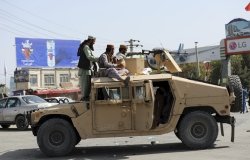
(193, 93)
(72, 110)
(40, 105)
(186, 88)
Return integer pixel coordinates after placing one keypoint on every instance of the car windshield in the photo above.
(33, 99)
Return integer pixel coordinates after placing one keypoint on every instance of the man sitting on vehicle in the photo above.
(109, 69)
(122, 52)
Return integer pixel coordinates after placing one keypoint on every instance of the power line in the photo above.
(52, 22)
(44, 19)
(32, 28)
(36, 29)
(7, 30)
(36, 26)
(9, 27)
(24, 25)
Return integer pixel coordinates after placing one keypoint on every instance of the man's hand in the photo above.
(121, 63)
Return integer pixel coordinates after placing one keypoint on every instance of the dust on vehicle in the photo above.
(153, 104)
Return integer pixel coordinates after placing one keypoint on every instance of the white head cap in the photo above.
(91, 37)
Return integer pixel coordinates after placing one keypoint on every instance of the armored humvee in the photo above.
(150, 105)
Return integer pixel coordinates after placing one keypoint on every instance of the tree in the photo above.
(215, 73)
(240, 65)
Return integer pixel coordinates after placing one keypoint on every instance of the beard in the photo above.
(91, 46)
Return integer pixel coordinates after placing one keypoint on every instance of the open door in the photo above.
(170, 63)
(159, 58)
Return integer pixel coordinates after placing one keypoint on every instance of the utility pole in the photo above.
(132, 45)
(5, 73)
(197, 60)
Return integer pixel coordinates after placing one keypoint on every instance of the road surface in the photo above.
(22, 145)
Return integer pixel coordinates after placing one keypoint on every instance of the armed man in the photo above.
(85, 63)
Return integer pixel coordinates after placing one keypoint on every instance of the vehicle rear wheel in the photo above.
(198, 130)
(5, 126)
(78, 140)
(22, 123)
(56, 137)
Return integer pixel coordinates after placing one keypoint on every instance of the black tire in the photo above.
(66, 100)
(61, 101)
(5, 126)
(22, 123)
(78, 140)
(235, 84)
(198, 130)
(177, 133)
(177, 130)
(56, 137)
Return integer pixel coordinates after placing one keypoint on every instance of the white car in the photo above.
(59, 100)
(14, 108)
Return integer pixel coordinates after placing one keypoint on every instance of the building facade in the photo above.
(47, 81)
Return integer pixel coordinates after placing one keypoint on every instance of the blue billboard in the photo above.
(52, 53)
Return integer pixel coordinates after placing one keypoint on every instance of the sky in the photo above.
(158, 23)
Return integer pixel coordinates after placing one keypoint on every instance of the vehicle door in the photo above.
(142, 105)
(12, 108)
(111, 107)
(2, 107)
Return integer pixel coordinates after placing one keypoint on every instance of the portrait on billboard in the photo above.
(237, 27)
(51, 53)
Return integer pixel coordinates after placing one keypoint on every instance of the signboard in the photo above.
(21, 75)
(237, 45)
(237, 27)
(53, 53)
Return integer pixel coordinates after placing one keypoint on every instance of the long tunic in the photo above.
(107, 69)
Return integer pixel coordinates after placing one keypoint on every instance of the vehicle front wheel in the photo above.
(198, 130)
(5, 126)
(177, 134)
(21, 123)
(56, 137)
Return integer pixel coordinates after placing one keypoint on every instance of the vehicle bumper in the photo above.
(228, 120)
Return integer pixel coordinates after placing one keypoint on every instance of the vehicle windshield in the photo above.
(33, 99)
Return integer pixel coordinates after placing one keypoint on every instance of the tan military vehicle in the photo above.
(150, 105)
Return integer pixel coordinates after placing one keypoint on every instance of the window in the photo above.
(139, 92)
(49, 80)
(33, 80)
(33, 99)
(112, 93)
(13, 102)
(64, 78)
(108, 93)
(2, 103)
